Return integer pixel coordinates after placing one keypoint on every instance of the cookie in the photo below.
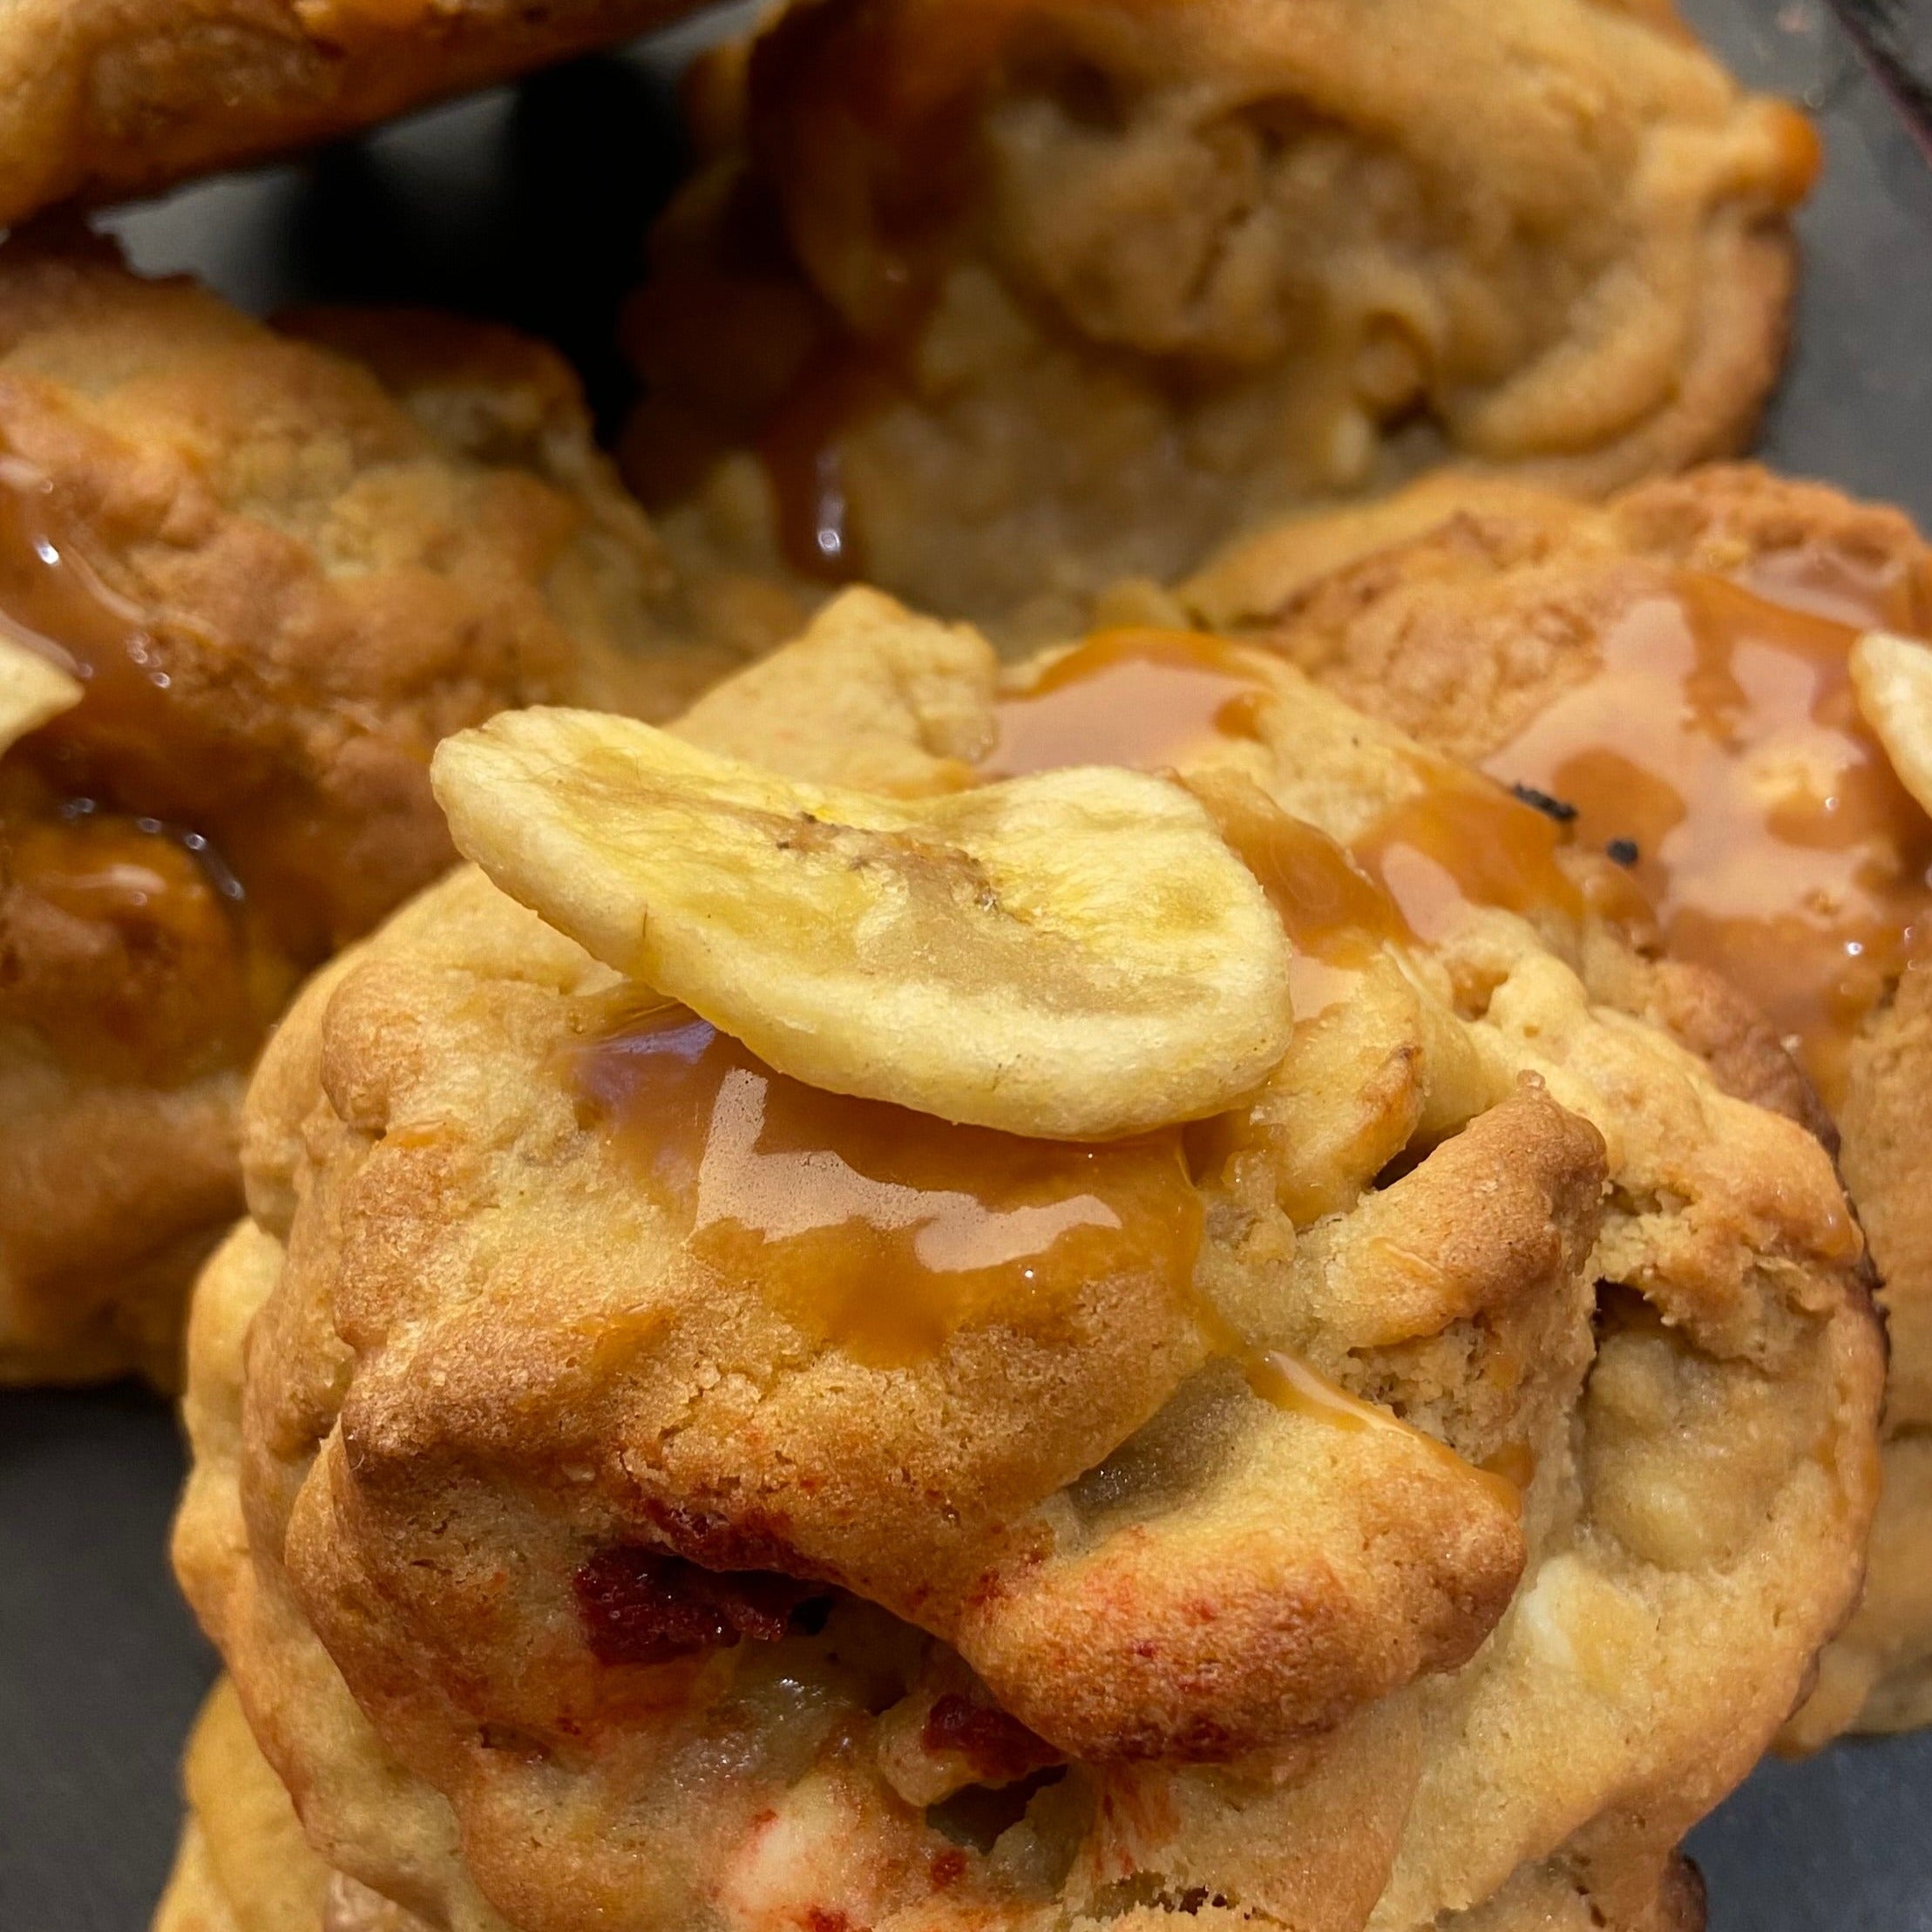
(991, 307)
(1673, 674)
(248, 578)
(643, 1480)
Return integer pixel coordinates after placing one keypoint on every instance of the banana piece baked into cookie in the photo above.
(954, 1296)
(247, 581)
(1680, 674)
(108, 99)
(992, 304)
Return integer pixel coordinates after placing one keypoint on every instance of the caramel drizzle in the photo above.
(54, 602)
(1721, 739)
(879, 1228)
(1139, 697)
(69, 841)
(897, 88)
(887, 1232)
(803, 448)
(1336, 916)
(1456, 846)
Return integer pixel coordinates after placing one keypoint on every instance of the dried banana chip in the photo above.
(1892, 678)
(1075, 954)
(31, 692)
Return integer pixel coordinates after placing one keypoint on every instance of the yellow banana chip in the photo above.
(31, 692)
(1892, 678)
(1075, 954)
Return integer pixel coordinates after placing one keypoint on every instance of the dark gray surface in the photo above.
(1856, 405)
(100, 1665)
(529, 207)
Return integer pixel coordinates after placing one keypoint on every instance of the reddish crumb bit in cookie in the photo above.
(641, 1606)
(947, 1869)
(999, 1748)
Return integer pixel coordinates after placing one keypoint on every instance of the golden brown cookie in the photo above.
(247, 581)
(992, 305)
(636, 1487)
(108, 99)
(1674, 666)
(243, 1865)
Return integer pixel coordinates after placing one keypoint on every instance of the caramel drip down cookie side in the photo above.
(994, 305)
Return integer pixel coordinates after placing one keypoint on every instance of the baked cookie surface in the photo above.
(243, 1865)
(1675, 669)
(110, 99)
(635, 1487)
(248, 582)
(991, 305)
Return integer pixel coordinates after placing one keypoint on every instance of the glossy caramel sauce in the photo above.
(127, 954)
(1135, 697)
(1149, 698)
(1884, 592)
(1722, 737)
(52, 601)
(168, 903)
(887, 1232)
(1463, 842)
(881, 1229)
(1335, 917)
(885, 100)
(869, 144)
(96, 867)
(802, 450)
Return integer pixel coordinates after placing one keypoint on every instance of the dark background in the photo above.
(530, 205)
